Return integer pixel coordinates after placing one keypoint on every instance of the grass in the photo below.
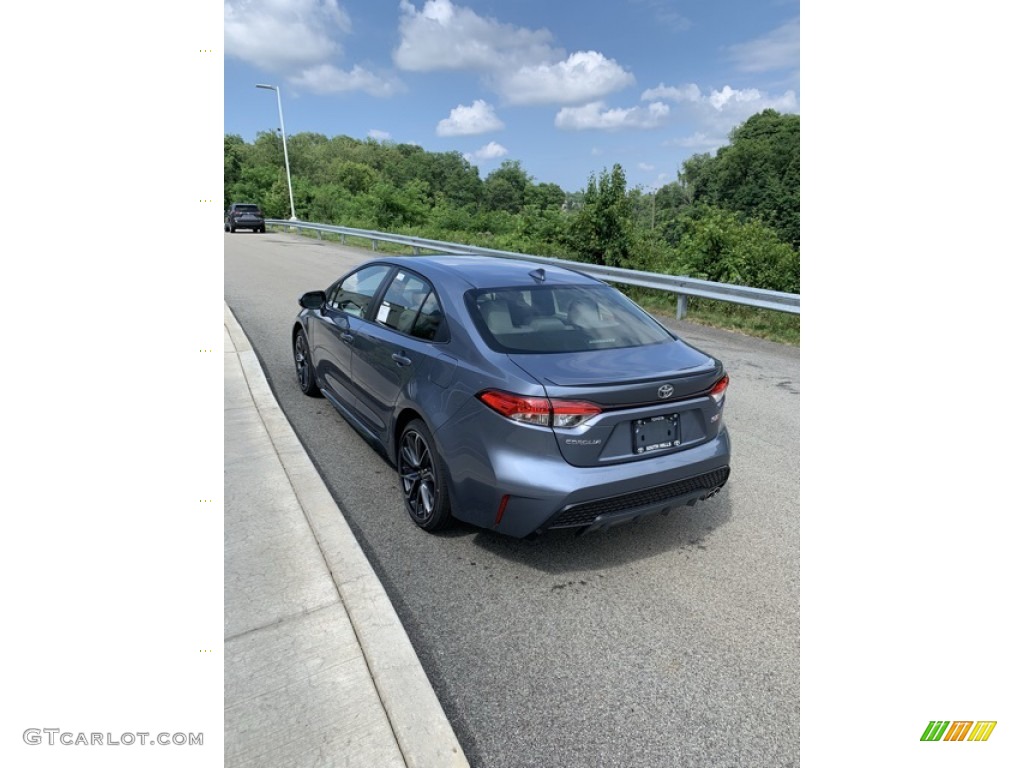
(354, 241)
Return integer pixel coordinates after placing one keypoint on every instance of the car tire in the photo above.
(231, 229)
(304, 370)
(263, 230)
(422, 478)
(225, 227)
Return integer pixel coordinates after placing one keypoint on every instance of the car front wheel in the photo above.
(304, 365)
(422, 478)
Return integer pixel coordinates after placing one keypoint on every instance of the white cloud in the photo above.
(470, 121)
(645, 166)
(283, 35)
(699, 142)
(596, 116)
(716, 113)
(522, 65)
(737, 106)
(327, 78)
(490, 151)
(444, 36)
(713, 115)
(584, 76)
(680, 94)
(378, 135)
(745, 102)
(779, 49)
(717, 100)
(300, 40)
(729, 97)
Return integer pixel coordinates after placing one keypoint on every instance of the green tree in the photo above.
(235, 150)
(351, 176)
(719, 245)
(757, 174)
(451, 177)
(545, 196)
(601, 231)
(505, 187)
(399, 207)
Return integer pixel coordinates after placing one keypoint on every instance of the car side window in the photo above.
(410, 306)
(355, 293)
(428, 322)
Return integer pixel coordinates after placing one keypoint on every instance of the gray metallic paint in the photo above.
(486, 455)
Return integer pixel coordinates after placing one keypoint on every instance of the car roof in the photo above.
(489, 271)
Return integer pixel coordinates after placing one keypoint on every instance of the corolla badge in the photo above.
(665, 391)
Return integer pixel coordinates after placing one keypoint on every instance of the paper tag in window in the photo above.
(382, 313)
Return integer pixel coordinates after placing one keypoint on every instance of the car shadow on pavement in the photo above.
(563, 551)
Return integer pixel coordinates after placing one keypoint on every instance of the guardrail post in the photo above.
(415, 250)
(342, 239)
(680, 306)
(319, 235)
(373, 244)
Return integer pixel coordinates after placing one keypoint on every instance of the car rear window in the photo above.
(561, 318)
(247, 208)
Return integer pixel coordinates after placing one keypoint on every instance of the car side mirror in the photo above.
(313, 300)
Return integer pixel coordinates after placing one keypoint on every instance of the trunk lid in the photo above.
(625, 376)
(651, 398)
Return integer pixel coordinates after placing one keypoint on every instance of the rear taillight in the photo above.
(529, 410)
(572, 413)
(542, 411)
(718, 391)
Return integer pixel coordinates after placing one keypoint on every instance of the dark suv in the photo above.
(244, 216)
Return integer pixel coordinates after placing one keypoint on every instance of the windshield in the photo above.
(561, 318)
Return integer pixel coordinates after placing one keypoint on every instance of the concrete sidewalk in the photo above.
(318, 670)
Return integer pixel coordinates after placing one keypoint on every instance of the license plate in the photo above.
(656, 434)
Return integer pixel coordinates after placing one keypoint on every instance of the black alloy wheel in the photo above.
(304, 365)
(422, 477)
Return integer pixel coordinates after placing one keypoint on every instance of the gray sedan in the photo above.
(514, 397)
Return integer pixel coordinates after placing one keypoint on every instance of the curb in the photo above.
(421, 728)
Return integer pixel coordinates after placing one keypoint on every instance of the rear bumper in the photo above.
(544, 492)
(247, 224)
(605, 513)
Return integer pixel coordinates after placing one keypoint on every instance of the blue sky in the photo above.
(566, 87)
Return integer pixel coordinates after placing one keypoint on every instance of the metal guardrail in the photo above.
(679, 285)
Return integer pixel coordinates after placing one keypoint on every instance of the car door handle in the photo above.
(347, 337)
(401, 359)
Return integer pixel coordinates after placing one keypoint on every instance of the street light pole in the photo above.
(284, 141)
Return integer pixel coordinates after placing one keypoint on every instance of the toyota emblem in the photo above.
(665, 391)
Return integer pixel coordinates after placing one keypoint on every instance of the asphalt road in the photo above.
(674, 642)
